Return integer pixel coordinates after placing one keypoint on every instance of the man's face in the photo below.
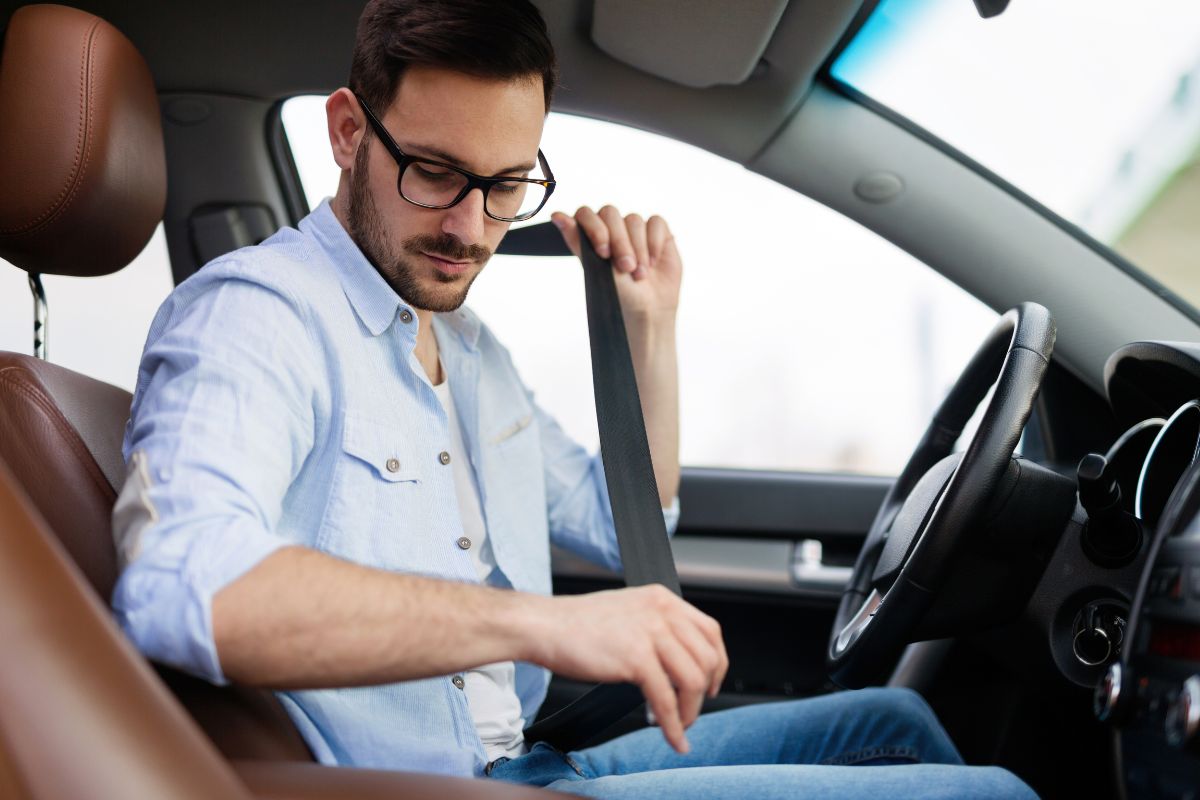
(430, 257)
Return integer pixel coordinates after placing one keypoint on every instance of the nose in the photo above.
(466, 220)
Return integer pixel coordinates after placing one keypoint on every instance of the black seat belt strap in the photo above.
(629, 474)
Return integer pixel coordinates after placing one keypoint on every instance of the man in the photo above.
(338, 487)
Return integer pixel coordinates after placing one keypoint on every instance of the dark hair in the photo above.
(504, 39)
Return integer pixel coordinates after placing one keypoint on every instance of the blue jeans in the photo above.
(871, 743)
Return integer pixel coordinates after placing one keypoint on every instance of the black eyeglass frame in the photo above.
(474, 181)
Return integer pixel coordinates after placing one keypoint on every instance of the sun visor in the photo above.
(699, 44)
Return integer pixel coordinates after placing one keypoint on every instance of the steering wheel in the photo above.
(907, 555)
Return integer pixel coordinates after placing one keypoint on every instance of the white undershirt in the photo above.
(491, 689)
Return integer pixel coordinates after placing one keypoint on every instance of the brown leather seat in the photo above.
(92, 190)
(82, 187)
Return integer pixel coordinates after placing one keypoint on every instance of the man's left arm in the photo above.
(648, 270)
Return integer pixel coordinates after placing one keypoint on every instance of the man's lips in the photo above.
(448, 266)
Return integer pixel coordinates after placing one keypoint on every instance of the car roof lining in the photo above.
(716, 42)
(273, 49)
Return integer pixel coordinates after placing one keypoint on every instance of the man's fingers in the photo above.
(687, 676)
(594, 228)
(635, 226)
(624, 257)
(709, 658)
(659, 239)
(660, 696)
(711, 630)
(568, 228)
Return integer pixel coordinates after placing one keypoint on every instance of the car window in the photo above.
(806, 342)
(97, 326)
(1090, 106)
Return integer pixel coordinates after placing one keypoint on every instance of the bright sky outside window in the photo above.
(1090, 106)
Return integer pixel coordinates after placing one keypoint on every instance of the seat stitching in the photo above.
(62, 426)
(83, 143)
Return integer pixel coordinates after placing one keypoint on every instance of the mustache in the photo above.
(446, 246)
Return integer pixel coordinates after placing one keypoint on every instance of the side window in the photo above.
(806, 342)
(97, 326)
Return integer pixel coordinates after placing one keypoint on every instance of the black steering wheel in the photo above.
(909, 549)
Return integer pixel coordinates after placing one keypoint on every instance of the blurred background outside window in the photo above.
(1090, 106)
(806, 342)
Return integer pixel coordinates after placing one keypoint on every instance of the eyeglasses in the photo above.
(433, 184)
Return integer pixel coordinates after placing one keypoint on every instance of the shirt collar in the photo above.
(375, 303)
(462, 322)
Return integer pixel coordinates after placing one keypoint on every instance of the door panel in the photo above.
(767, 555)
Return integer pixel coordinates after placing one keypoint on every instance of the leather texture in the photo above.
(60, 431)
(243, 722)
(50, 456)
(83, 714)
(81, 148)
(57, 428)
(311, 782)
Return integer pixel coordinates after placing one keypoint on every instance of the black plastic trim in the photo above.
(770, 504)
(290, 185)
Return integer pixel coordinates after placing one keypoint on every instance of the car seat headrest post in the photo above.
(41, 315)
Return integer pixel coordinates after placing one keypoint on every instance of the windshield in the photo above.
(1092, 107)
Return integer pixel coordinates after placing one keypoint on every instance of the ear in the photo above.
(346, 125)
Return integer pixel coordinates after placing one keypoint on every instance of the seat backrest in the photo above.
(82, 187)
(60, 434)
(81, 714)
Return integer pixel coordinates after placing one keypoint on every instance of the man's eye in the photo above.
(432, 172)
(509, 187)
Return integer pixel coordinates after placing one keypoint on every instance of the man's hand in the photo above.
(643, 635)
(648, 272)
(643, 254)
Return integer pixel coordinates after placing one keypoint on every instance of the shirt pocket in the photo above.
(378, 502)
(506, 434)
(383, 449)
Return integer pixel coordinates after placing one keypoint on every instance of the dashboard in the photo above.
(1151, 692)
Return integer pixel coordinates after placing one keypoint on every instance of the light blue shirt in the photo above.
(279, 402)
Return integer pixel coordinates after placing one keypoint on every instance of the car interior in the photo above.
(1037, 578)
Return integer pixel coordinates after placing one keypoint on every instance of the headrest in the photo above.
(83, 178)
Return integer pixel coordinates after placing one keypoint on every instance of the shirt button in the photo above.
(464, 543)
(458, 681)
(393, 465)
(444, 457)
(405, 316)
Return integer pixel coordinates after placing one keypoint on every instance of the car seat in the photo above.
(84, 185)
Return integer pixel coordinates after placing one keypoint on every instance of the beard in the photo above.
(438, 292)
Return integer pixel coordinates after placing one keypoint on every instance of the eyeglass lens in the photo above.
(434, 185)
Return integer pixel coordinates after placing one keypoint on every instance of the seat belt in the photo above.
(625, 451)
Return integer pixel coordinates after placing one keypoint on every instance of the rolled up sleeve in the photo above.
(221, 424)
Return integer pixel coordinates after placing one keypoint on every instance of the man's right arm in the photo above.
(304, 619)
(223, 422)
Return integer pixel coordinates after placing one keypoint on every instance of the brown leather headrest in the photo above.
(83, 178)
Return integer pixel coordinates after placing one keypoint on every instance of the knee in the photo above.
(899, 704)
(996, 783)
